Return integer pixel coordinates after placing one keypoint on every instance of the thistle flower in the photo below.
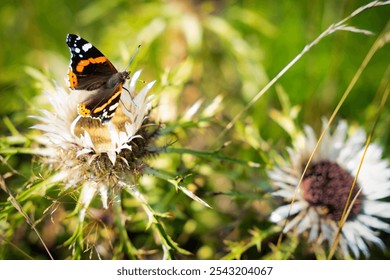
(322, 196)
(84, 152)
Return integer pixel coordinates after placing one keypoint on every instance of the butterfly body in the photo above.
(93, 75)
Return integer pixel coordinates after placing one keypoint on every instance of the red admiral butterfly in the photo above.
(91, 72)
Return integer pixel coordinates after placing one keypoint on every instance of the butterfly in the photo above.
(91, 73)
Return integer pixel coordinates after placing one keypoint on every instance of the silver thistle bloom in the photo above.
(321, 198)
(85, 153)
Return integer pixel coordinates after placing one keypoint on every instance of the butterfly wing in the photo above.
(102, 104)
(91, 71)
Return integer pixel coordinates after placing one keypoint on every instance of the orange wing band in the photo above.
(101, 108)
(80, 66)
(83, 111)
(73, 82)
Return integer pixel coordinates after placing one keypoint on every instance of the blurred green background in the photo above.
(195, 50)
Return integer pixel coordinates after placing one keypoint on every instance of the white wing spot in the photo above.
(113, 107)
(86, 47)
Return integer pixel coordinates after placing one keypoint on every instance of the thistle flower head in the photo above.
(325, 189)
(84, 152)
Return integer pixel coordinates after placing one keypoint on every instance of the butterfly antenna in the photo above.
(130, 62)
(133, 56)
(128, 66)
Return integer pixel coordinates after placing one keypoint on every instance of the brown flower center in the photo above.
(326, 187)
